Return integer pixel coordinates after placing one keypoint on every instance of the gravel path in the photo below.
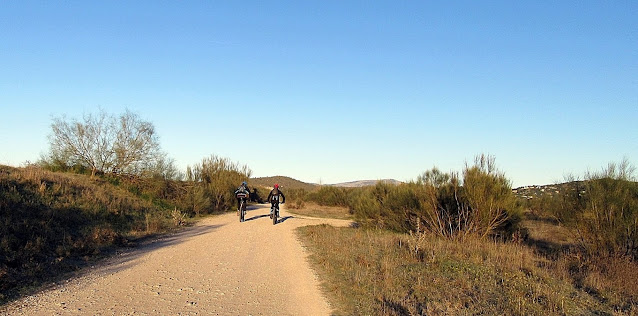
(218, 267)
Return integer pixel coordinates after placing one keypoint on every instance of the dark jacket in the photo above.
(242, 189)
(273, 196)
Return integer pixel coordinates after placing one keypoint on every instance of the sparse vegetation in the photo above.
(397, 265)
(387, 273)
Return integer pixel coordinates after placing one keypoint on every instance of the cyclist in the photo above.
(273, 197)
(243, 188)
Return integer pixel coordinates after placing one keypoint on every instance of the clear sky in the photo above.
(334, 91)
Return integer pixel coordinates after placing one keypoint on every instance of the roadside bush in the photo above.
(493, 207)
(329, 196)
(387, 206)
(296, 198)
(213, 182)
(604, 212)
(482, 204)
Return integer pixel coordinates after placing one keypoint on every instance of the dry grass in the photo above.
(547, 236)
(613, 281)
(316, 210)
(52, 223)
(386, 273)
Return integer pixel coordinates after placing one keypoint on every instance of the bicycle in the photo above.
(242, 206)
(274, 209)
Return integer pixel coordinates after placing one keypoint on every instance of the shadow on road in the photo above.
(253, 207)
(257, 217)
(283, 219)
(120, 261)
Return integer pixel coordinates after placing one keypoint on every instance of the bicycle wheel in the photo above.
(242, 211)
(275, 214)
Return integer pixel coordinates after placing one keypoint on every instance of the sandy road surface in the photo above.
(218, 267)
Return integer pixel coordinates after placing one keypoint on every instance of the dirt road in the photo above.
(218, 267)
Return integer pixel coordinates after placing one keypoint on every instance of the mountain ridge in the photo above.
(365, 183)
(292, 183)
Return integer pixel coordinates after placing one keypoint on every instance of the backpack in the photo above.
(241, 189)
(274, 196)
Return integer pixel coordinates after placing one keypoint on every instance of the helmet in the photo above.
(244, 183)
(276, 186)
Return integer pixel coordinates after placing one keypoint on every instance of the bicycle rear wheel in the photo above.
(275, 215)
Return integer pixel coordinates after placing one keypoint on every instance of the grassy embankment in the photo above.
(52, 223)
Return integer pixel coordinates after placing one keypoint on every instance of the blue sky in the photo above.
(334, 91)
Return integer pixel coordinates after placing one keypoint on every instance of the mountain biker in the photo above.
(273, 197)
(243, 188)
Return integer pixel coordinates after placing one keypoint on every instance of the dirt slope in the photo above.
(218, 267)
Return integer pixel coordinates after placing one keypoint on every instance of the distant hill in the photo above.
(284, 182)
(290, 183)
(365, 183)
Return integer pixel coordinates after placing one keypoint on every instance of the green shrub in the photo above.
(482, 205)
(603, 210)
(214, 181)
(492, 205)
(387, 206)
(329, 196)
(296, 198)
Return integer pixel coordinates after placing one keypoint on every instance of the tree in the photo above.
(108, 144)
